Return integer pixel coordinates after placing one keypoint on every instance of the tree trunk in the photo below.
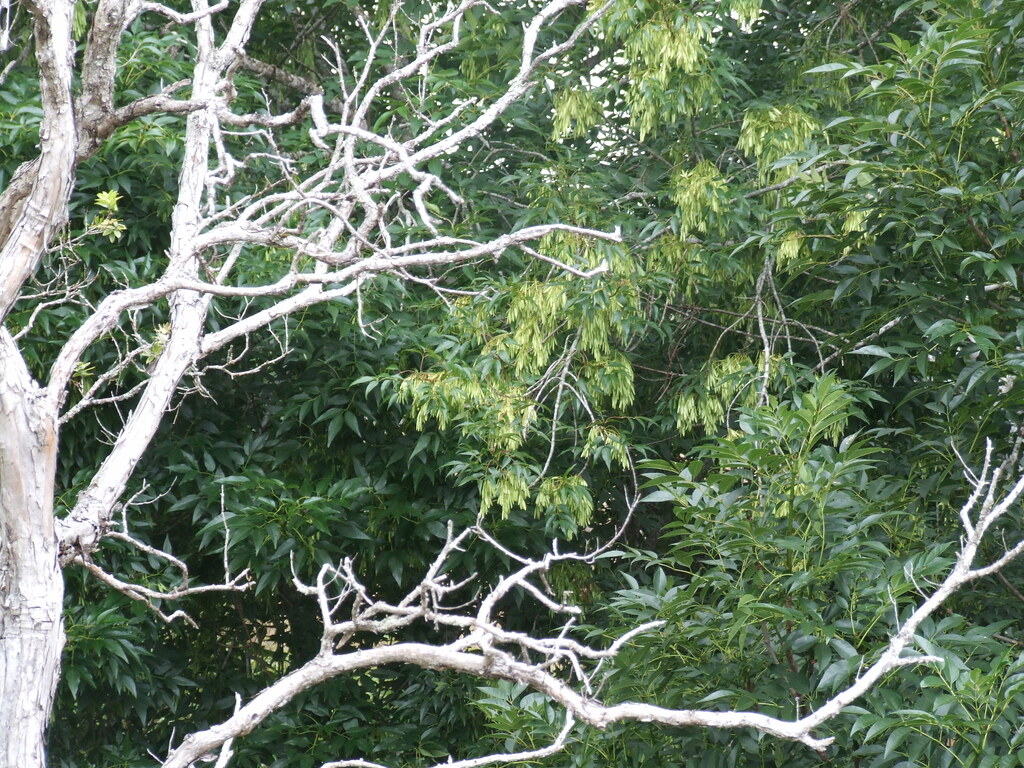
(31, 585)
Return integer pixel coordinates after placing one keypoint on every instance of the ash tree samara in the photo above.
(257, 236)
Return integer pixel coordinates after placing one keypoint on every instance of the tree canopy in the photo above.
(547, 383)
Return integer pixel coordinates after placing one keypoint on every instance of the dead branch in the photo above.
(560, 666)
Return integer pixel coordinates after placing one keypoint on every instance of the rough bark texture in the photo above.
(29, 215)
(31, 586)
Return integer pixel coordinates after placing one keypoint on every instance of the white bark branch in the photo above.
(32, 209)
(330, 262)
(486, 650)
(184, 18)
(151, 597)
(556, 746)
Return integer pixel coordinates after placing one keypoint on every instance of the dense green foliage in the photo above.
(814, 319)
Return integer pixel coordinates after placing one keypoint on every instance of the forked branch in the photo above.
(559, 666)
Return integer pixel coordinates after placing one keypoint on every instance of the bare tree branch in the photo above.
(486, 650)
(150, 597)
(35, 205)
(356, 242)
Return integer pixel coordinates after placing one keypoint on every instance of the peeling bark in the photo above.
(31, 216)
(31, 586)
